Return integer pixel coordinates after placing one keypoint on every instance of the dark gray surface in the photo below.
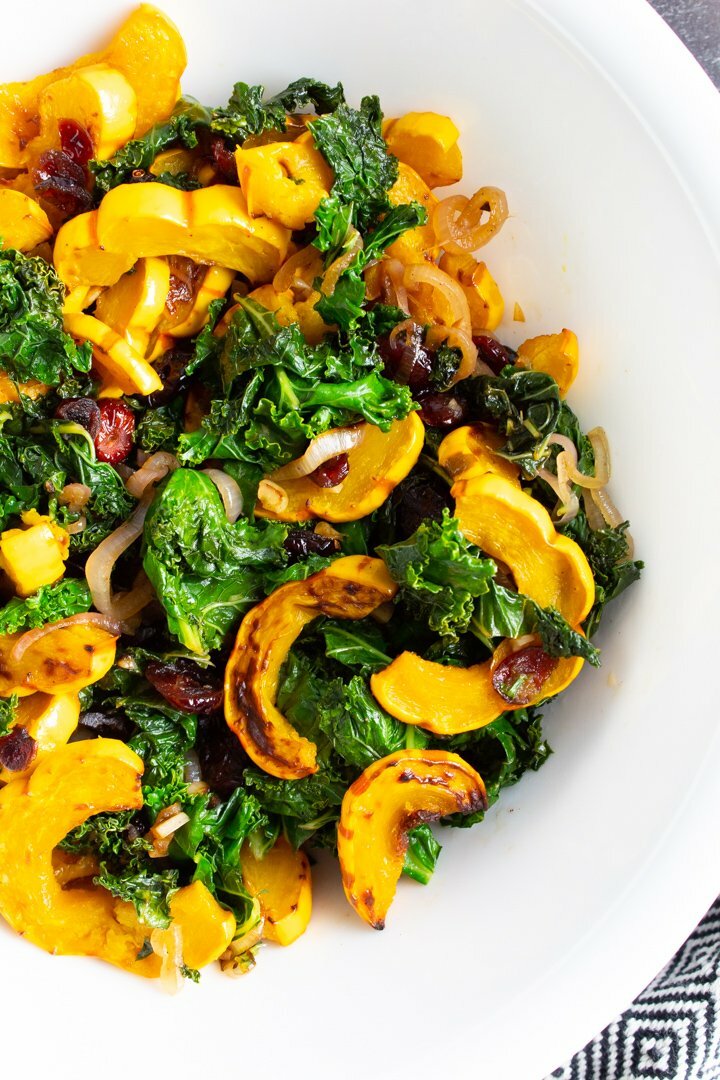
(697, 23)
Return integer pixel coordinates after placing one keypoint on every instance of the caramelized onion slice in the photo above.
(230, 492)
(458, 221)
(322, 449)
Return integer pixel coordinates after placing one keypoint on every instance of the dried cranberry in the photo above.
(407, 360)
(17, 750)
(422, 497)
(185, 685)
(114, 439)
(491, 352)
(171, 370)
(332, 472)
(75, 141)
(224, 159)
(446, 410)
(109, 725)
(301, 543)
(84, 411)
(520, 677)
(222, 758)
(58, 178)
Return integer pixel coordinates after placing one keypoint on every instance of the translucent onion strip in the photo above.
(299, 272)
(333, 272)
(428, 274)
(101, 562)
(230, 492)
(393, 284)
(153, 469)
(322, 449)
(458, 221)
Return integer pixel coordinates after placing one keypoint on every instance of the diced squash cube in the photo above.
(417, 244)
(34, 556)
(483, 295)
(284, 181)
(23, 222)
(428, 142)
(555, 354)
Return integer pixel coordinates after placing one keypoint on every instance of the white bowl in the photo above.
(545, 921)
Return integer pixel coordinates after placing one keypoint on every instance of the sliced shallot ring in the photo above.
(457, 221)
(608, 509)
(321, 449)
(93, 618)
(455, 338)
(393, 285)
(100, 563)
(340, 265)
(428, 274)
(77, 526)
(153, 469)
(230, 493)
(298, 272)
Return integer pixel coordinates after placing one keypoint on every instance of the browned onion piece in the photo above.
(333, 272)
(393, 284)
(77, 526)
(458, 223)
(230, 492)
(299, 272)
(153, 469)
(321, 449)
(74, 496)
(93, 618)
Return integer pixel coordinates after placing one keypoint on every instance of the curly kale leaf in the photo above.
(181, 130)
(8, 713)
(206, 571)
(440, 574)
(608, 553)
(248, 112)
(48, 605)
(33, 344)
(525, 408)
(351, 142)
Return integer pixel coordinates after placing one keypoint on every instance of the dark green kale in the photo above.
(440, 574)
(525, 408)
(249, 113)
(358, 645)
(49, 604)
(206, 572)
(501, 613)
(278, 392)
(33, 344)
(359, 729)
(8, 713)
(180, 130)
(422, 854)
(612, 565)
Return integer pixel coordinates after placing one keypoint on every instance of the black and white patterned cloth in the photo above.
(671, 1031)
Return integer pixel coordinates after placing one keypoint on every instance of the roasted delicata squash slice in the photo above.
(508, 524)
(134, 306)
(36, 813)
(391, 797)
(555, 354)
(472, 450)
(285, 181)
(50, 720)
(282, 882)
(116, 358)
(146, 49)
(210, 225)
(449, 700)
(99, 98)
(214, 286)
(418, 244)
(63, 659)
(483, 295)
(377, 464)
(428, 143)
(351, 588)
(23, 223)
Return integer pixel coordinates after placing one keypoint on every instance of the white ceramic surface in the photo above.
(544, 922)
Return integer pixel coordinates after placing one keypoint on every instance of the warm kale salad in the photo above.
(285, 383)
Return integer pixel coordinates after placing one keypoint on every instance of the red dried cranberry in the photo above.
(520, 677)
(421, 497)
(407, 360)
(114, 439)
(17, 750)
(58, 178)
(332, 472)
(82, 411)
(224, 159)
(301, 543)
(109, 725)
(442, 410)
(75, 141)
(185, 685)
(495, 355)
